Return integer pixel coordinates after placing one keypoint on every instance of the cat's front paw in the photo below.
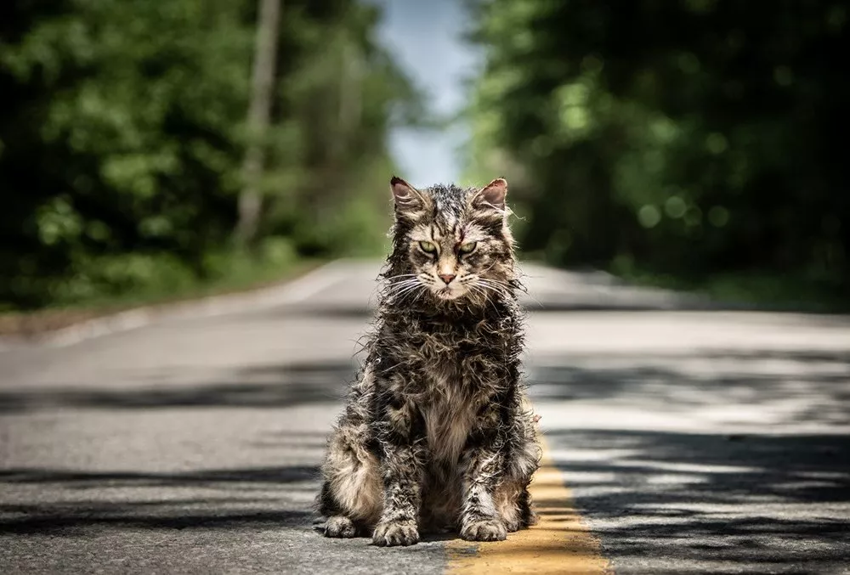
(340, 526)
(484, 530)
(392, 533)
(513, 525)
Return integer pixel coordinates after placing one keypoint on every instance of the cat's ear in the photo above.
(407, 198)
(492, 195)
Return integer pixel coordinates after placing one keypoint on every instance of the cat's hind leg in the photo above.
(512, 497)
(513, 504)
(351, 496)
(506, 500)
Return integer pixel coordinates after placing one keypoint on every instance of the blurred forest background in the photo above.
(692, 143)
(124, 128)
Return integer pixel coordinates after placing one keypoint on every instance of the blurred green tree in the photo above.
(122, 134)
(691, 137)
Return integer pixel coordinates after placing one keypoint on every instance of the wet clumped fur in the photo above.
(437, 435)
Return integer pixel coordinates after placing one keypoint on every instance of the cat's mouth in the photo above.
(448, 293)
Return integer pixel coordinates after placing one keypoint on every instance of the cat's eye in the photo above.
(467, 248)
(428, 247)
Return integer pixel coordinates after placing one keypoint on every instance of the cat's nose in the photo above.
(447, 278)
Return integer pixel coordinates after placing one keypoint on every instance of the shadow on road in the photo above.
(711, 498)
(779, 501)
(270, 386)
(60, 521)
(114, 503)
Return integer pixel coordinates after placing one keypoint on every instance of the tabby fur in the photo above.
(436, 435)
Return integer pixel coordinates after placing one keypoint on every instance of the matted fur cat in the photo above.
(436, 435)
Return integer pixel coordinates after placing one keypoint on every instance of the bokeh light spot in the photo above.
(649, 216)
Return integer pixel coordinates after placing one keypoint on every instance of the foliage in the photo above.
(123, 130)
(691, 137)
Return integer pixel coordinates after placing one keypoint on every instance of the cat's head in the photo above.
(451, 243)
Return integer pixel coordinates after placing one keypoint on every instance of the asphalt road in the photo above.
(693, 440)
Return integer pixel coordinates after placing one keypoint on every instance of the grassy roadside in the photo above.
(27, 324)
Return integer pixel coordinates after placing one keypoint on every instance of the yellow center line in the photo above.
(561, 542)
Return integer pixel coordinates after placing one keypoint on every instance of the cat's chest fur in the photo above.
(449, 415)
(448, 370)
(453, 387)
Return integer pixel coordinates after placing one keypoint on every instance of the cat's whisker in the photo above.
(407, 289)
(400, 276)
(391, 284)
(510, 285)
(407, 286)
(495, 281)
(487, 299)
(401, 290)
(401, 296)
(489, 291)
(499, 284)
(402, 284)
(414, 292)
(479, 291)
(494, 286)
(395, 282)
(403, 281)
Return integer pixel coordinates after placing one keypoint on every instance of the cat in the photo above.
(436, 435)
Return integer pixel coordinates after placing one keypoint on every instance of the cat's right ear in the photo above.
(407, 199)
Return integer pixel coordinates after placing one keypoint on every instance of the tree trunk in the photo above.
(259, 111)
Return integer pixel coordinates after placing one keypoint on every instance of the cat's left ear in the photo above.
(407, 198)
(493, 194)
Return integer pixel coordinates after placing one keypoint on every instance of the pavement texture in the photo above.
(691, 439)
